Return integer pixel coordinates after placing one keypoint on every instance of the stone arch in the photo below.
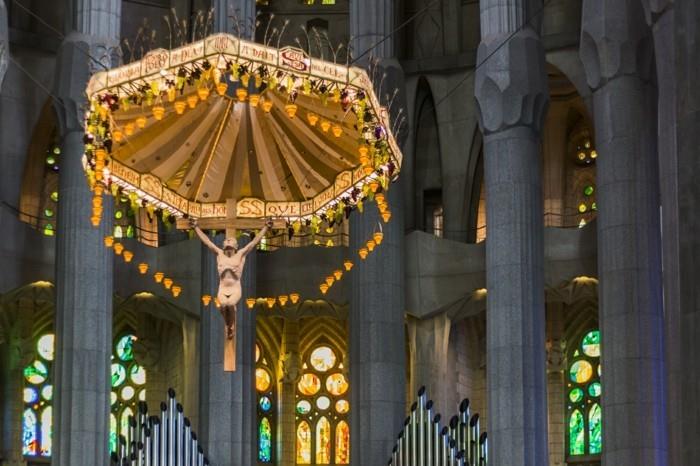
(427, 162)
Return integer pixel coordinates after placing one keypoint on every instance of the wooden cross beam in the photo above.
(231, 223)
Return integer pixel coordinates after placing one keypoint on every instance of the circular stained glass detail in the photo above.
(30, 395)
(265, 403)
(118, 374)
(582, 208)
(595, 389)
(303, 407)
(257, 353)
(128, 393)
(591, 344)
(142, 395)
(54, 196)
(48, 213)
(36, 372)
(594, 206)
(45, 347)
(309, 384)
(323, 403)
(576, 395)
(125, 350)
(581, 371)
(336, 384)
(137, 374)
(118, 214)
(47, 392)
(262, 380)
(322, 358)
(588, 190)
(342, 406)
(113, 398)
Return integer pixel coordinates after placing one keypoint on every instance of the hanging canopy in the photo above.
(225, 124)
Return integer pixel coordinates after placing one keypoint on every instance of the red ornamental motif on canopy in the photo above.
(226, 125)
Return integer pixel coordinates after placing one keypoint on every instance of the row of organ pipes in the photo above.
(423, 441)
(165, 439)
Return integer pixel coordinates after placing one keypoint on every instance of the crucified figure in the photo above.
(230, 262)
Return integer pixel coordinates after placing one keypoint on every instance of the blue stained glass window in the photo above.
(265, 441)
(37, 418)
(30, 440)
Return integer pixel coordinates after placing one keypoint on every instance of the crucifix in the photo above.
(230, 262)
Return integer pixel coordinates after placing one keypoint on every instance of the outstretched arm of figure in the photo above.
(250, 246)
(204, 238)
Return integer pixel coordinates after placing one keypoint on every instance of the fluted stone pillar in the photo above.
(687, 35)
(617, 56)
(227, 399)
(372, 21)
(83, 318)
(512, 96)
(286, 428)
(235, 17)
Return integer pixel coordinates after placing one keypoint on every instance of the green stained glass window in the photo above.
(37, 420)
(591, 344)
(594, 389)
(54, 196)
(118, 374)
(124, 348)
(48, 230)
(128, 382)
(265, 389)
(595, 434)
(36, 373)
(581, 371)
(588, 190)
(577, 445)
(576, 395)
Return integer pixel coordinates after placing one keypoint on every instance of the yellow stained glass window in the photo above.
(323, 441)
(342, 406)
(262, 379)
(303, 443)
(581, 371)
(342, 443)
(322, 359)
(257, 353)
(336, 384)
(309, 384)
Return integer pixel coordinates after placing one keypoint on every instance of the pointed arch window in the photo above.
(584, 413)
(322, 409)
(265, 388)
(128, 388)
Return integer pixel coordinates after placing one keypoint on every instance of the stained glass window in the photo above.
(266, 402)
(323, 432)
(128, 387)
(584, 413)
(37, 418)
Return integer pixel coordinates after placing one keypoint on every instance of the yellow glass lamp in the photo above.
(117, 135)
(167, 282)
(192, 101)
(370, 245)
(129, 129)
(100, 154)
(241, 93)
(325, 125)
(330, 280)
(271, 302)
(141, 122)
(378, 237)
(363, 253)
(206, 299)
(254, 99)
(109, 241)
(143, 268)
(179, 107)
(313, 118)
(338, 274)
(380, 198)
(337, 131)
(363, 150)
(348, 264)
(203, 93)
(368, 170)
(158, 112)
(386, 215)
(294, 297)
(176, 289)
(267, 106)
(97, 211)
(158, 276)
(221, 88)
(98, 189)
(324, 288)
(96, 201)
(291, 110)
(374, 185)
(118, 248)
(128, 256)
(250, 302)
(283, 299)
(382, 207)
(95, 220)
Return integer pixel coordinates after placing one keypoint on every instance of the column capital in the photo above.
(615, 40)
(511, 82)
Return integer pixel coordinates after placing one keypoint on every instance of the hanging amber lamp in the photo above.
(206, 299)
(192, 100)
(109, 241)
(325, 125)
(291, 110)
(267, 105)
(250, 302)
(379, 197)
(378, 237)
(117, 135)
(283, 299)
(158, 276)
(141, 122)
(143, 268)
(128, 255)
(129, 129)
(337, 131)
(338, 274)
(167, 283)
(323, 287)
(386, 215)
(179, 107)
(363, 253)
(158, 112)
(348, 264)
(221, 88)
(118, 248)
(176, 289)
(312, 117)
(330, 280)
(254, 99)
(203, 93)
(374, 185)
(294, 297)
(241, 93)
(370, 245)
(271, 302)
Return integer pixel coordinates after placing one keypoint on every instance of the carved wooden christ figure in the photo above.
(230, 262)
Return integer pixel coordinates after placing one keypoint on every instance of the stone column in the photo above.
(687, 35)
(291, 364)
(660, 16)
(83, 319)
(227, 399)
(4, 42)
(512, 96)
(235, 17)
(617, 55)
(371, 21)
(431, 339)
